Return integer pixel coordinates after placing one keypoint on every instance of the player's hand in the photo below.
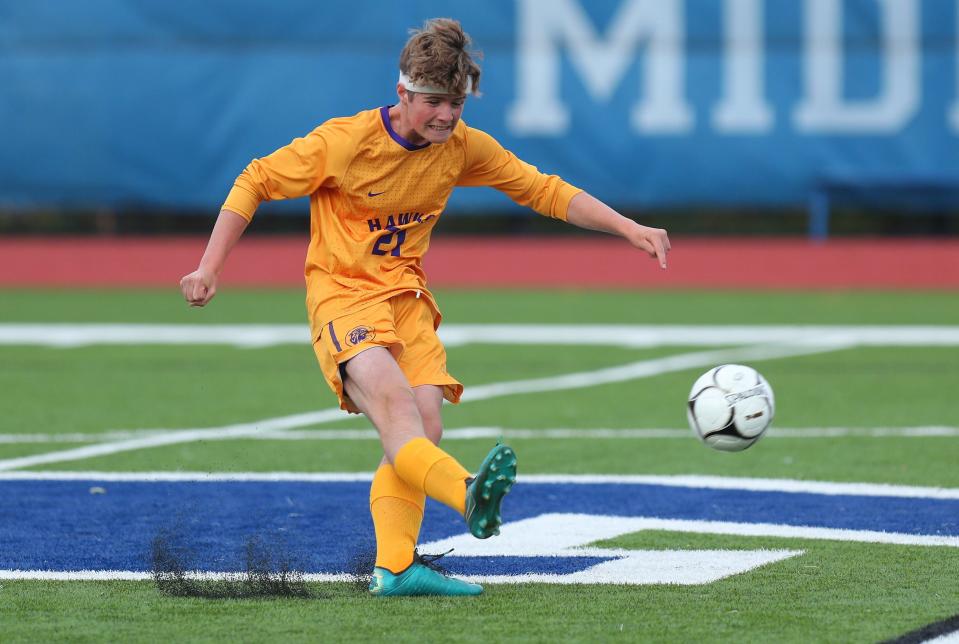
(198, 287)
(654, 241)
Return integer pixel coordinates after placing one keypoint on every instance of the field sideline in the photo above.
(839, 526)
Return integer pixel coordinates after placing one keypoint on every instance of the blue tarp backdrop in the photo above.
(150, 104)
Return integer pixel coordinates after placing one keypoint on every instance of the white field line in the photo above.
(81, 335)
(574, 533)
(828, 488)
(799, 532)
(699, 335)
(199, 477)
(639, 524)
(948, 638)
(75, 437)
(471, 433)
(639, 369)
(467, 433)
(173, 437)
(644, 369)
(267, 335)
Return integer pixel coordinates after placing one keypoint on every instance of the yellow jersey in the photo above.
(375, 198)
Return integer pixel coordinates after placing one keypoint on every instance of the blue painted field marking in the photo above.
(323, 526)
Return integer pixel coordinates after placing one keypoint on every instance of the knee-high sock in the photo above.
(397, 511)
(431, 470)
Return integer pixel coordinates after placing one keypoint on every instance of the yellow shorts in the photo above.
(406, 325)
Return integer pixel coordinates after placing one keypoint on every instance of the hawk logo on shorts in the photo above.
(360, 334)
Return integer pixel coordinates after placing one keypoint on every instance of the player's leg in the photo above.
(397, 511)
(429, 402)
(379, 388)
(484, 492)
(396, 507)
(424, 364)
(358, 354)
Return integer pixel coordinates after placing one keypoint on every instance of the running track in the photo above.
(590, 261)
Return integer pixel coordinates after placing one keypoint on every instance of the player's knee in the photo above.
(432, 426)
(399, 401)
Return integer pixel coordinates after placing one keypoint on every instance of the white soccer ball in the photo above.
(730, 407)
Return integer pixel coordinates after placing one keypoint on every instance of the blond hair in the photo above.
(437, 55)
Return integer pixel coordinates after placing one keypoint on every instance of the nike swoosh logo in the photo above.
(375, 194)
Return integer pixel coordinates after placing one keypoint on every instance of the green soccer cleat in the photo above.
(485, 492)
(417, 580)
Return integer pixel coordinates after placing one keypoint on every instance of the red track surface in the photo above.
(511, 262)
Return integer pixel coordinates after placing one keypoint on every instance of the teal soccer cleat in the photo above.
(421, 578)
(485, 492)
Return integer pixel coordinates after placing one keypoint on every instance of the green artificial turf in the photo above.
(835, 591)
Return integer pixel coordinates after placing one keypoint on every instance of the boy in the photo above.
(378, 183)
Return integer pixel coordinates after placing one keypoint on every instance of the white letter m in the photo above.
(600, 63)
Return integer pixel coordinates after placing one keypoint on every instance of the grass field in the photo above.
(853, 413)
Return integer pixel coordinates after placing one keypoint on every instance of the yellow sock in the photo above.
(397, 511)
(428, 468)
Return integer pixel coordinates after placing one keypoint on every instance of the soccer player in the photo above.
(378, 182)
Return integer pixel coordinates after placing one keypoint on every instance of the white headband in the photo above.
(430, 89)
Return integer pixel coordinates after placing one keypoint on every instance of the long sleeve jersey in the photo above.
(375, 198)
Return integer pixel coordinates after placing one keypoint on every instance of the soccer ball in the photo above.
(730, 407)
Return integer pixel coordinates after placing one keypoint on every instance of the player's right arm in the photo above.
(301, 168)
(295, 170)
(199, 287)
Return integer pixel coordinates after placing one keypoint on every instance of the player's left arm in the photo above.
(487, 163)
(589, 212)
